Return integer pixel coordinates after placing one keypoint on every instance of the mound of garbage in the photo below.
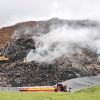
(28, 40)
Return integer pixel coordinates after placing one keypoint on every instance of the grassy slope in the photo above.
(89, 94)
(91, 90)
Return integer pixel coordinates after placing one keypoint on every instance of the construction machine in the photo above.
(3, 58)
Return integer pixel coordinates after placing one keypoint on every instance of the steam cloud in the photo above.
(62, 42)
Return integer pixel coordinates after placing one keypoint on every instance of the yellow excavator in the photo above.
(3, 58)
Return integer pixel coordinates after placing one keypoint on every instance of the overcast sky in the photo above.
(13, 11)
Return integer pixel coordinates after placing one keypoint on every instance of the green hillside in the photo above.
(91, 90)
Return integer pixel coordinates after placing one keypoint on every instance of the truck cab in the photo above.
(63, 88)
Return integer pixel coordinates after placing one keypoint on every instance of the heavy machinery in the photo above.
(3, 58)
(57, 88)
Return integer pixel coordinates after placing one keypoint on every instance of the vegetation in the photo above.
(88, 94)
(93, 90)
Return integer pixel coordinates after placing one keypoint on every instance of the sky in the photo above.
(14, 11)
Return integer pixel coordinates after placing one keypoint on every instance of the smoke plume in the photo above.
(63, 42)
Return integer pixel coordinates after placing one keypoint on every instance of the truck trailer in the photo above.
(57, 88)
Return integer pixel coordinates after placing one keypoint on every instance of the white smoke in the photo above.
(62, 41)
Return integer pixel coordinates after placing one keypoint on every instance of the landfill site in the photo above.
(30, 56)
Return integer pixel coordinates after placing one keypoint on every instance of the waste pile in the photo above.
(18, 72)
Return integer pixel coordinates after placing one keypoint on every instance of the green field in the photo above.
(89, 94)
